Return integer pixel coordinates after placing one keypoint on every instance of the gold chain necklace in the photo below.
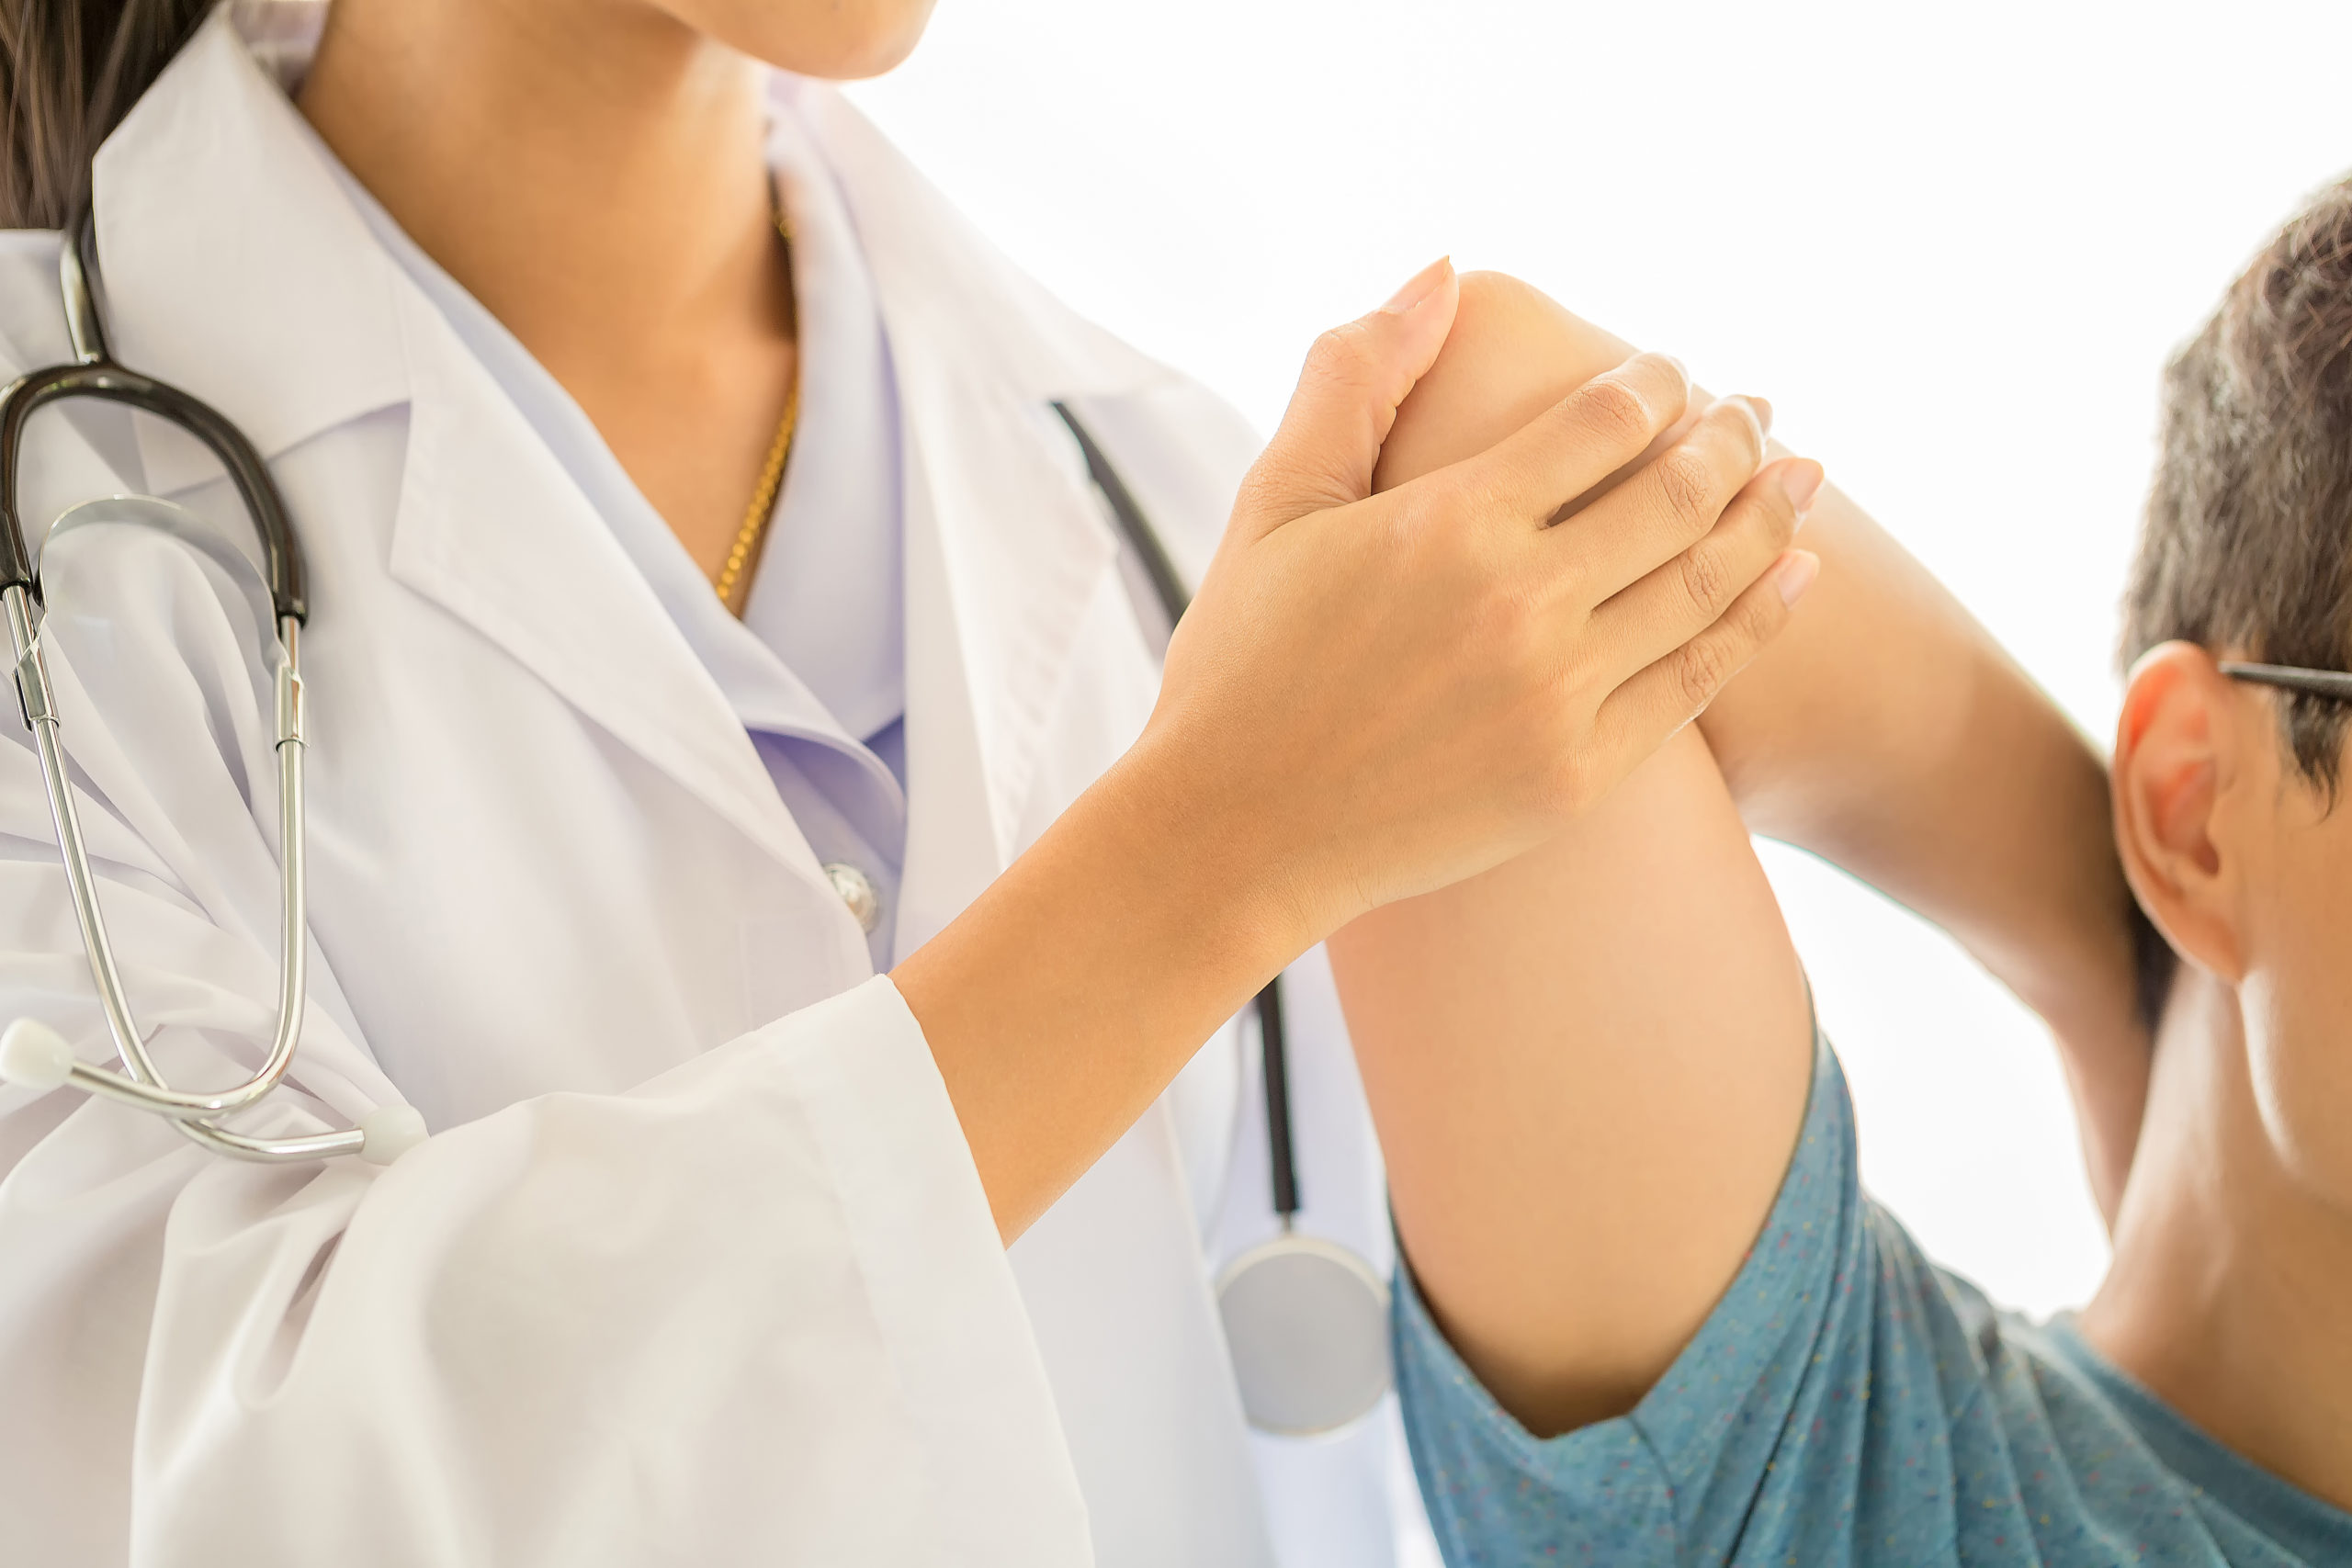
(743, 557)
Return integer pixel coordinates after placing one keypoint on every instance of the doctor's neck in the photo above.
(593, 172)
(577, 167)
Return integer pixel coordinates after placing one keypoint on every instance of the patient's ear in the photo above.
(2176, 760)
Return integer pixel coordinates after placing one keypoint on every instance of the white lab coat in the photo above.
(695, 1267)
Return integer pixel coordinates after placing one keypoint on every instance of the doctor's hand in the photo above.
(1382, 694)
(1372, 696)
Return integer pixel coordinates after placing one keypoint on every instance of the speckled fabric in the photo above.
(1849, 1403)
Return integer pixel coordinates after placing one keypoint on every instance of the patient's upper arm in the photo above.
(1589, 1065)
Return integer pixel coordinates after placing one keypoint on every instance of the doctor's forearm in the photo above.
(1064, 1000)
(1372, 695)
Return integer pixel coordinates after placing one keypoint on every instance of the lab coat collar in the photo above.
(952, 295)
(233, 264)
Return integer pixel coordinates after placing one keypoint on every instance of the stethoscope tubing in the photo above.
(1167, 586)
(93, 374)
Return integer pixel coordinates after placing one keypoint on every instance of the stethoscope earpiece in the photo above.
(35, 1056)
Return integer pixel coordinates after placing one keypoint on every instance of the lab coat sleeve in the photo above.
(754, 1310)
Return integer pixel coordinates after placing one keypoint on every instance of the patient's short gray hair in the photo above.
(2247, 541)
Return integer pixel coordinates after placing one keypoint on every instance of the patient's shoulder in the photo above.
(1849, 1401)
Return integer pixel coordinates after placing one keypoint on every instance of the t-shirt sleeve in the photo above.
(1816, 1403)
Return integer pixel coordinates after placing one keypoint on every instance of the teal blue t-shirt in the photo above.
(1848, 1403)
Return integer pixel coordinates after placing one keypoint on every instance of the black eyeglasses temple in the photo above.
(2336, 684)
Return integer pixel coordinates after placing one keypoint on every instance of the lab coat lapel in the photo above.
(1009, 558)
(991, 624)
(1005, 543)
(492, 528)
(237, 267)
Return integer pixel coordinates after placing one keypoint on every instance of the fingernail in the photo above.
(1796, 574)
(1763, 411)
(1418, 287)
(1801, 481)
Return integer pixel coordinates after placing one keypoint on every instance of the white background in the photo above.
(1953, 244)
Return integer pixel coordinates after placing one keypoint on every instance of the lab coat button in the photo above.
(857, 891)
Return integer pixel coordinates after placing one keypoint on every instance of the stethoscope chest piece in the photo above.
(1306, 1322)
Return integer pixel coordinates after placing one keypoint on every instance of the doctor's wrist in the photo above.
(1227, 857)
(1075, 988)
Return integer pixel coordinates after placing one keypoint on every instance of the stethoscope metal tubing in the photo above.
(93, 374)
(144, 1087)
(78, 283)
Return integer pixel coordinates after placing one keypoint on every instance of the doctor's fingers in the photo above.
(1323, 452)
(1676, 602)
(1661, 510)
(1640, 715)
(1671, 641)
(1530, 475)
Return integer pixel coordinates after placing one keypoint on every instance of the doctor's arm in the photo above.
(761, 1297)
(1372, 695)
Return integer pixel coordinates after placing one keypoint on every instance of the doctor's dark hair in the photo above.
(68, 71)
(2248, 542)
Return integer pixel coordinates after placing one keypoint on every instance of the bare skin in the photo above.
(1597, 1057)
(1606, 1043)
(1346, 795)
(621, 230)
(591, 170)
(1886, 732)
(2234, 1253)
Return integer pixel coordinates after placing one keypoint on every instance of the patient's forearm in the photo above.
(1888, 733)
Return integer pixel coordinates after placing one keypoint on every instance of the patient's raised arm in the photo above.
(1588, 1066)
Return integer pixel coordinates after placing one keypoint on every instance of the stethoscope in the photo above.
(33, 1055)
(1305, 1319)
